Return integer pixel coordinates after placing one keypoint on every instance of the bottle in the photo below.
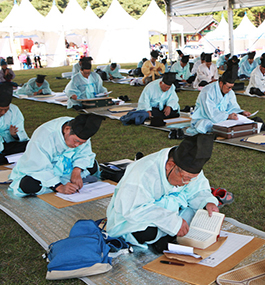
(191, 110)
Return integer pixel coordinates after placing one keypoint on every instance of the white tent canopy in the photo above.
(125, 40)
(217, 38)
(155, 20)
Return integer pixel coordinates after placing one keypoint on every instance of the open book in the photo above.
(204, 230)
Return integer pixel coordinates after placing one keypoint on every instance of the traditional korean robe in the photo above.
(83, 88)
(49, 160)
(257, 80)
(153, 96)
(205, 74)
(12, 117)
(144, 198)
(212, 107)
(247, 68)
(182, 73)
(31, 87)
(114, 73)
(146, 69)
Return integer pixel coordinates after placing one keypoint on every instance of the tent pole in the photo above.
(169, 36)
(230, 26)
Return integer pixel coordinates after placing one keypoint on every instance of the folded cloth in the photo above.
(135, 117)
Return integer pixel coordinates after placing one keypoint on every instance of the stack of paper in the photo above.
(89, 191)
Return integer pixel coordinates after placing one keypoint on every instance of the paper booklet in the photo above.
(204, 230)
(230, 123)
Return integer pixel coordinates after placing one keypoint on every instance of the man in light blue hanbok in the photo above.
(159, 194)
(58, 157)
(112, 71)
(182, 69)
(222, 61)
(216, 103)
(159, 98)
(84, 85)
(77, 66)
(35, 86)
(13, 137)
(247, 66)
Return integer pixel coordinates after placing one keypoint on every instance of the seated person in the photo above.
(197, 63)
(137, 71)
(58, 157)
(112, 71)
(84, 85)
(165, 189)
(259, 58)
(216, 103)
(77, 66)
(256, 84)
(35, 86)
(13, 138)
(152, 69)
(222, 61)
(180, 54)
(7, 74)
(182, 70)
(206, 73)
(247, 66)
(159, 98)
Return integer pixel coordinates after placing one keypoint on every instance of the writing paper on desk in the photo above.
(13, 158)
(230, 123)
(89, 191)
(181, 249)
(233, 243)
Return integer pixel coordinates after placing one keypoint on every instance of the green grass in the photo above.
(237, 169)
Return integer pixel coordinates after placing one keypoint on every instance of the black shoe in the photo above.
(180, 134)
(138, 155)
(172, 135)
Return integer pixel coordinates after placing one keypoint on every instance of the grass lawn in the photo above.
(236, 169)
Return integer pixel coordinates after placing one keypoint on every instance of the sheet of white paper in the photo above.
(89, 191)
(229, 123)
(103, 94)
(233, 243)
(181, 249)
(13, 157)
(174, 120)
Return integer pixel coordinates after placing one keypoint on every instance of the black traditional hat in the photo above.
(86, 125)
(185, 58)
(179, 52)
(40, 78)
(85, 65)
(262, 62)
(193, 152)
(84, 58)
(113, 65)
(251, 55)
(228, 55)
(154, 53)
(3, 62)
(144, 59)
(169, 78)
(6, 93)
(203, 56)
(231, 74)
(208, 57)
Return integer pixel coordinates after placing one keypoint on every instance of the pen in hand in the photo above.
(171, 263)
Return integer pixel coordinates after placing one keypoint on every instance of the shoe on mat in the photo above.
(224, 197)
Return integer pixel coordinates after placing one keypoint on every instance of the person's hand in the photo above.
(13, 130)
(110, 77)
(211, 207)
(167, 111)
(159, 69)
(35, 93)
(68, 188)
(150, 114)
(151, 68)
(246, 113)
(233, 116)
(40, 91)
(183, 229)
(6, 72)
(76, 177)
(74, 97)
(183, 80)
